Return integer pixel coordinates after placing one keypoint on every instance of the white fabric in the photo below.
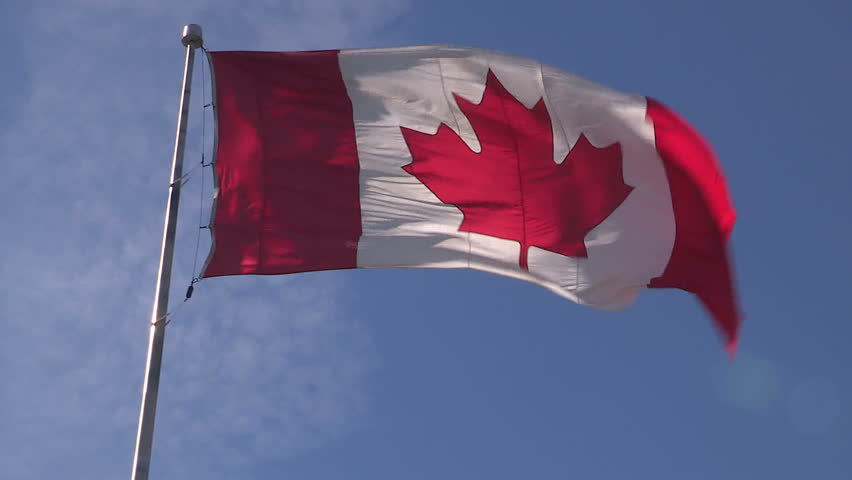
(405, 225)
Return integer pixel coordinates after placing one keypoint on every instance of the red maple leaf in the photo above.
(513, 189)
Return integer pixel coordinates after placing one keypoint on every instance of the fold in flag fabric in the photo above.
(446, 157)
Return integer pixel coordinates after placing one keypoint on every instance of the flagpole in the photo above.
(191, 39)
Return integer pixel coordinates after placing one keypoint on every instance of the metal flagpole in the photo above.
(191, 39)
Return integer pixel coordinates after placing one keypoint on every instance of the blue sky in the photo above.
(419, 374)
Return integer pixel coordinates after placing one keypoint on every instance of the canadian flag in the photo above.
(446, 157)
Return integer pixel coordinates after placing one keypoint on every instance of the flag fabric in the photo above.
(448, 157)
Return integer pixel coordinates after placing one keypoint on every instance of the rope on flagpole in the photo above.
(203, 164)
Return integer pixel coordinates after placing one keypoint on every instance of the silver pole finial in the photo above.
(192, 36)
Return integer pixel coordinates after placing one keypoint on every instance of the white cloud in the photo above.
(273, 365)
(279, 376)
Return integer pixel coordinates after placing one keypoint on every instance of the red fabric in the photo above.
(287, 165)
(513, 189)
(704, 218)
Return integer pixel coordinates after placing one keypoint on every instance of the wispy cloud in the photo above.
(255, 368)
(259, 379)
